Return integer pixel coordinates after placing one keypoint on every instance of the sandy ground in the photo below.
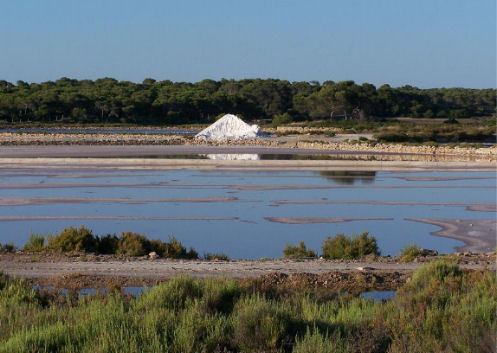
(106, 271)
(129, 270)
(307, 220)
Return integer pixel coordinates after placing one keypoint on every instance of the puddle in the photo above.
(379, 295)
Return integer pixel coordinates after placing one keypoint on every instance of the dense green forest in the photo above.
(167, 103)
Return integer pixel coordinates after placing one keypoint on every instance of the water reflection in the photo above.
(346, 177)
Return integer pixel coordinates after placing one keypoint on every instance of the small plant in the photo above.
(410, 252)
(281, 119)
(344, 247)
(362, 138)
(430, 144)
(35, 243)
(216, 257)
(9, 247)
(451, 120)
(297, 252)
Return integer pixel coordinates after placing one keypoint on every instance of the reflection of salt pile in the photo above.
(234, 157)
(229, 127)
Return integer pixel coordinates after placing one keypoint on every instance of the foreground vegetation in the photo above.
(442, 309)
(168, 103)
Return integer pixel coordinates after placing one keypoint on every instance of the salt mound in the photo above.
(234, 157)
(229, 127)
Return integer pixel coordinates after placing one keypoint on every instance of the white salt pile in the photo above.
(234, 157)
(229, 127)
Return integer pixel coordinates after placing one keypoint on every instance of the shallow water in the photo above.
(379, 295)
(240, 213)
(136, 291)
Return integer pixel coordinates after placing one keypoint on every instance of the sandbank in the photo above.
(478, 235)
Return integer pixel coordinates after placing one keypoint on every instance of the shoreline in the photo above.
(293, 142)
(138, 158)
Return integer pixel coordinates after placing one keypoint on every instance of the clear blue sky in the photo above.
(425, 43)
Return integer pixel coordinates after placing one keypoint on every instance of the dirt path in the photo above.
(141, 268)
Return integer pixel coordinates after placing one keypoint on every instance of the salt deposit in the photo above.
(234, 157)
(229, 127)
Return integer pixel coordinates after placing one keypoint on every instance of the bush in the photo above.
(409, 252)
(316, 342)
(133, 244)
(172, 249)
(72, 239)
(296, 252)
(129, 243)
(281, 119)
(35, 243)
(260, 325)
(443, 309)
(392, 137)
(9, 247)
(451, 121)
(216, 257)
(108, 244)
(344, 247)
(430, 144)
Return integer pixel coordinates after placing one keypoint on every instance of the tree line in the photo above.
(108, 100)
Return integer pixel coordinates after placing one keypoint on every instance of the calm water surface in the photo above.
(250, 197)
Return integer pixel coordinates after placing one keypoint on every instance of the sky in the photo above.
(423, 43)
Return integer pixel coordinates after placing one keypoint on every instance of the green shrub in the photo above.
(6, 248)
(331, 134)
(133, 244)
(430, 144)
(174, 294)
(296, 252)
(260, 325)
(219, 296)
(316, 342)
(444, 309)
(172, 249)
(108, 244)
(35, 243)
(362, 138)
(281, 119)
(451, 121)
(129, 243)
(410, 252)
(392, 137)
(216, 257)
(344, 247)
(73, 239)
